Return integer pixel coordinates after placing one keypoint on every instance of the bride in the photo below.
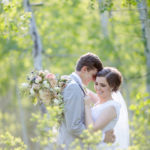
(110, 110)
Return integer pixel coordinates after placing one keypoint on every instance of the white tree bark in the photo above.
(20, 108)
(104, 18)
(37, 50)
(5, 1)
(145, 22)
(22, 116)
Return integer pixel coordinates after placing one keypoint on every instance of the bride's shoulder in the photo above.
(114, 103)
(116, 106)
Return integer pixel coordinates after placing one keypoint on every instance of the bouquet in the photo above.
(45, 87)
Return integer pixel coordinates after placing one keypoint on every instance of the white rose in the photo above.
(25, 86)
(57, 89)
(38, 79)
(45, 83)
(46, 71)
(56, 101)
(32, 92)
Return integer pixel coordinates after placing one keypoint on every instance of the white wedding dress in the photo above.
(96, 111)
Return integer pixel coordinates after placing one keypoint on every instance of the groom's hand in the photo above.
(87, 101)
(109, 137)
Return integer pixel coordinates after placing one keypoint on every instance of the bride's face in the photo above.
(102, 87)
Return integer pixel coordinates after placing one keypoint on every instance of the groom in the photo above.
(86, 69)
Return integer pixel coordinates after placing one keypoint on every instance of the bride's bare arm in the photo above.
(105, 117)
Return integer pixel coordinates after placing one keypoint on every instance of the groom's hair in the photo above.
(91, 61)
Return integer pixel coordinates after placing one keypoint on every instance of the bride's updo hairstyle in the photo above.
(113, 77)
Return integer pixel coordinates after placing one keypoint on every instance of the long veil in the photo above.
(122, 127)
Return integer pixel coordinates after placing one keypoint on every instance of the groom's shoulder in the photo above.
(71, 86)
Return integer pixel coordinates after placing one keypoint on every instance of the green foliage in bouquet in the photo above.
(9, 142)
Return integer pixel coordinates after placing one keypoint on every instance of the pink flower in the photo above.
(50, 76)
(51, 79)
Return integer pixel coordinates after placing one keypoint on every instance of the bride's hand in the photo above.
(88, 101)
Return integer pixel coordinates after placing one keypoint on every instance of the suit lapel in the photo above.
(77, 81)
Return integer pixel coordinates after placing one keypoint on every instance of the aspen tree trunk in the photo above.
(145, 24)
(22, 116)
(37, 50)
(20, 108)
(5, 1)
(104, 17)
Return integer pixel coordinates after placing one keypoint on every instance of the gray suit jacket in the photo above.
(73, 123)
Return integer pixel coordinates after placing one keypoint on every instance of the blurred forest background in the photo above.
(52, 35)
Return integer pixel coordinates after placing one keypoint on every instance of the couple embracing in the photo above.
(105, 113)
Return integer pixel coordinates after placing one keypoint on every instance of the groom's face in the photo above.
(88, 76)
